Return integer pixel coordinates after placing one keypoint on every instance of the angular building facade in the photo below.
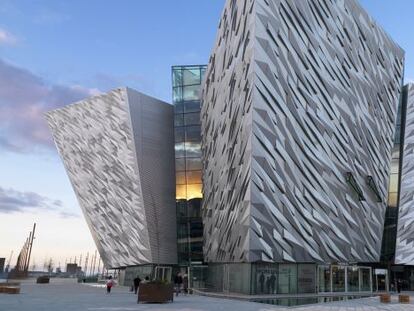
(404, 250)
(293, 167)
(298, 120)
(299, 116)
(118, 151)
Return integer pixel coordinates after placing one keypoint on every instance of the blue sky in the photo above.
(56, 52)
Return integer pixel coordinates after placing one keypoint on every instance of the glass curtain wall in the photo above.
(391, 215)
(186, 99)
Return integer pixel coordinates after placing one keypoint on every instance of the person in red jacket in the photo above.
(109, 284)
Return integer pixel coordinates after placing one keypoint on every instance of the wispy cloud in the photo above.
(24, 98)
(6, 38)
(14, 201)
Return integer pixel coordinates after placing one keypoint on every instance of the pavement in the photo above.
(69, 296)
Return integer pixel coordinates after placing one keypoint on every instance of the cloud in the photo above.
(14, 201)
(6, 38)
(24, 98)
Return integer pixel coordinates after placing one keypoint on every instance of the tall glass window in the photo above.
(324, 277)
(287, 279)
(353, 279)
(365, 277)
(391, 215)
(186, 99)
(338, 278)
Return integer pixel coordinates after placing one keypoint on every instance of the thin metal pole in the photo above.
(31, 245)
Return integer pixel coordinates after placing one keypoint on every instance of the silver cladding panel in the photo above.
(404, 252)
(104, 143)
(297, 94)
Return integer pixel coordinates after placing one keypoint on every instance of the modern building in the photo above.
(118, 151)
(188, 168)
(293, 158)
(298, 120)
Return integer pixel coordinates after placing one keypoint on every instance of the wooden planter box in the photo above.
(42, 280)
(403, 299)
(385, 298)
(9, 289)
(155, 293)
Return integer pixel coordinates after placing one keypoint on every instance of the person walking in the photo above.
(185, 283)
(262, 281)
(109, 285)
(399, 286)
(137, 280)
(178, 280)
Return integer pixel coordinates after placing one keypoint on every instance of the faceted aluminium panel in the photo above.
(118, 150)
(298, 119)
(404, 251)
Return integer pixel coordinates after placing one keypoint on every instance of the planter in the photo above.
(403, 298)
(385, 298)
(11, 288)
(155, 293)
(43, 280)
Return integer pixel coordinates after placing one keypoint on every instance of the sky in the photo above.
(56, 52)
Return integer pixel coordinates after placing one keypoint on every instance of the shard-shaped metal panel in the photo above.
(118, 150)
(298, 118)
(404, 251)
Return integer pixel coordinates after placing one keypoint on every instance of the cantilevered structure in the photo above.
(118, 150)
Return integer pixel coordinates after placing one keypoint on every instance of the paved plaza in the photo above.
(62, 296)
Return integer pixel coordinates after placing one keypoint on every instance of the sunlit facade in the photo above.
(186, 99)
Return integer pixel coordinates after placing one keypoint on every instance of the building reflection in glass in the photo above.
(186, 98)
(391, 215)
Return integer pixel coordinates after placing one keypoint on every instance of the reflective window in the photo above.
(365, 279)
(193, 106)
(324, 276)
(178, 120)
(392, 199)
(338, 278)
(179, 107)
(177, 77)
(264, 278)
(194, 208)
(186, 92)
(192, 118)
(193, 164)
(180, 192)
(393, 183)
(177, 94)
(306, 278)
(194, 191)
(182, 208)
(191, 76)
(193, 177)
(287, 279)
(180, 164)
(180, 178)
(193, 149)
(353, 279)
(193, 133)
(191, 92)
(179, 134)
(179, 150)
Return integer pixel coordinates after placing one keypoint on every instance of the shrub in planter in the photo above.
(43, 279)
(159, 291)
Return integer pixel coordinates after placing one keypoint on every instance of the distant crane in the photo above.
(8, 262)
